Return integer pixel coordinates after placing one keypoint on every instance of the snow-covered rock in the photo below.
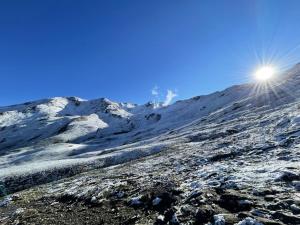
(249, 221)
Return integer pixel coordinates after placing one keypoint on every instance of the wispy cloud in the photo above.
(154, 91)
(157, 95)
(169, 97)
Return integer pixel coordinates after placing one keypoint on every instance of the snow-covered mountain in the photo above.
(245, 137)
(65, 130)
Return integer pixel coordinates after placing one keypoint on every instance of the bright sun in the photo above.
(264, 73)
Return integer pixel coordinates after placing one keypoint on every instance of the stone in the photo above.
(288, 176)
(286, 218)
(204, 214)
(219, 219)
(296, 184)
(295, 209)
(269, 198)
(235, 202)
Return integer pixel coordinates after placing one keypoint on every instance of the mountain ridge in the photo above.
(66, 129)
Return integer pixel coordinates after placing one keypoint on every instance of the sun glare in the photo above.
(264, 73)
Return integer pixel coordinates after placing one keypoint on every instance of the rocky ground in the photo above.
(194, 181)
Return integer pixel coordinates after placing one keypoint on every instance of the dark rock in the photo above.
(196, 98)
(288, 176)
(296, 184)
(285, 158)
(266, 221)
(153, 116)
(286, 218)
(131, 220)
(265, 192)
(16, 197)
(169, 214)
(222, 156)
(67, 198)
(230, 218)
(232, 131)
(193, 195)
(166, 200)
(284, 153)
(236, 105)
(269, 198)
(287, 142)
(204, 214)
(235, 202)
(260, 213)
(277, 206)
(160, 220)
(187, 210)
(295, 209)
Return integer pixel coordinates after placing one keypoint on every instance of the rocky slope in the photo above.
(231, 157)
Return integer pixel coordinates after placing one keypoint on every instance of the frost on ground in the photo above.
(231, 157)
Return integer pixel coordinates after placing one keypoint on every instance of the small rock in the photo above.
(93, 200)
(213, 183)
(245, 204)
(260, 213)
(286, 218)
(266, 221)
(5, 201)
(264, 192)
(162, 201)
(15, 197)
(269, 198)
(132, 220)
(54, 203)
(249, 221)
(295, 209)
(230, 185)
(219, 220)
(187, 210)
(161, 217)
(230, 218)
(174, 220)
(120, 194)
(160, 220)
(285, 158)
(19, 211)
(296, 184)
(156, 201)
(288, 176)
(135, 201)
(169, 215)
(194, 194)
(287, 142)
(235, 202)
(204, 214)
(277, 206)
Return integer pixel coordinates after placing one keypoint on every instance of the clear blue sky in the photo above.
(122, 49)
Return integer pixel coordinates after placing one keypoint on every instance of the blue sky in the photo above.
(123, 49)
